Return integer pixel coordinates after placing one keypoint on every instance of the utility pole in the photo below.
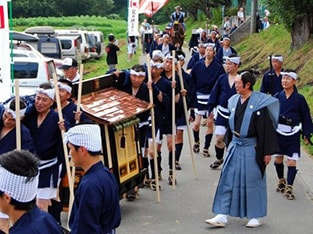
(254, 8)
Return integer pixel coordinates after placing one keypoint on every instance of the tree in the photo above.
(297, 17)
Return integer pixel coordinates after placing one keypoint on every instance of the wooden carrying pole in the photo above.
(79, 99)
(173, 122)
(153, 131)
(70, 179)
(187, 121)
(80, 86)
(18, 116)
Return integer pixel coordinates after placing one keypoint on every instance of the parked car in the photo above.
(84, 45)
(32, 70)
(97, 39)
(71, 46)
(47, 44)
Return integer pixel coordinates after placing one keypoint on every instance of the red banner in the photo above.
(150, 7)
(1, 17)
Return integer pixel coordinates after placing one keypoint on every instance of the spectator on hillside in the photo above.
(240, 16)
(233, 28)
(226, 27)
(111, 50)
(265, 23)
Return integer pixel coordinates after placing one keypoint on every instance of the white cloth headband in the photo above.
(181, 57)
(48, 92)
(209, 45)
(293, 75)
(157, 65)
(134, 73)
(278, 57)
(12, 112)
(17, 186)
(65, 87)
(86, 135)
(233, 59)
(169, 56)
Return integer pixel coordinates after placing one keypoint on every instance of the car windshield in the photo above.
(25, 70)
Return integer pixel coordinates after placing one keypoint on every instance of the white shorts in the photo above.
(220, 130)
(47, 193)
(158, 139)
(295, 156)
(182, 127)
(201, 112)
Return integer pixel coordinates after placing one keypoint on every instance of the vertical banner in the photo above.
(133, 21)
(5, 61)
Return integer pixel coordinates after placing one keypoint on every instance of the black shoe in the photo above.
(217, 163)
(170, 180)
(206, 153)
(177, 166)
(153, 185)
(131, 195)
(281, 186)
(196, 147)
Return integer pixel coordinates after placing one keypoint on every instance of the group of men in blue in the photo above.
(256, 125)
(40, 135)
(242, 116)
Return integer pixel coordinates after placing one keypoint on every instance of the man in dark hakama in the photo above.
(241, 190)
(294, 118)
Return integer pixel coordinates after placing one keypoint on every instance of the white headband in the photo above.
(233, 59)
(157, 65)
(12, 112)
(17, 186)
(48, 92)
(87, 135)
(170, 57)
(181, 57)
(209, 45)
(134, 73)
(65, 87)
(278, 57)
(293, 75)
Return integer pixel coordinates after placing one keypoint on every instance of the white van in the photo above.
(98, 41)
(84, 45)
(70, 46)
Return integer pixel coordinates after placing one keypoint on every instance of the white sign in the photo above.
(5, 69)
(133, 21)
